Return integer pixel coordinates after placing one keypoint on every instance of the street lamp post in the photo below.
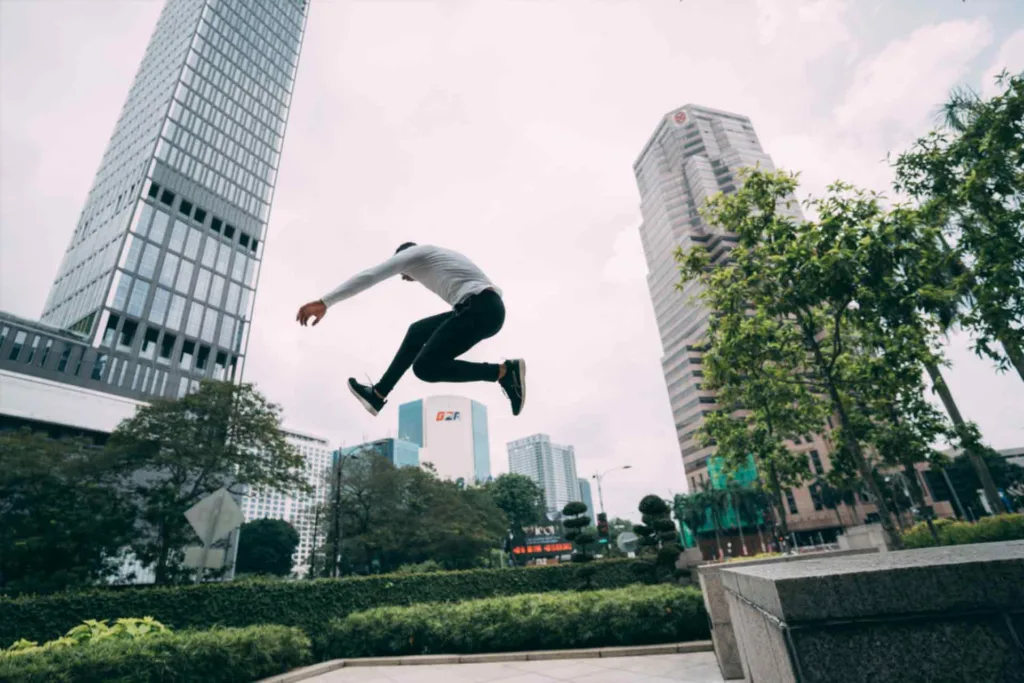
(336, 546)
(599, 477)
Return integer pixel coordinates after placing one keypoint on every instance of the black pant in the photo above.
(431, 345)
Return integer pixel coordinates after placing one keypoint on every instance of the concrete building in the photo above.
(452, 435)
(161, 270)
(298, 509)
(552, 466)
(399, 452)
(587, 499)
(694, 153)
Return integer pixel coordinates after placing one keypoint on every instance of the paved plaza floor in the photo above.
(699, 667)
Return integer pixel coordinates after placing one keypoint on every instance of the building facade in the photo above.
(398, 452)
(452, 435)
(160, 273)
(298, 509)
(551, 465)
(694, 153)
(587, 499)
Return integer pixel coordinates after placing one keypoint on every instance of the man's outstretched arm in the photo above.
(356, 284)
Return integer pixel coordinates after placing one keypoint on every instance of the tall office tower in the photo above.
(587, 499)
(552, 466)
(452, 434)
(296, 508)
(161, 271)
(694, 153)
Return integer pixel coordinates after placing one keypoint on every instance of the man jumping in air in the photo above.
(432, 345)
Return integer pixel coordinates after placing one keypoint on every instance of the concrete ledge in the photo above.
(936, 614)
(722, 633)
(306, 672)
(431, 659)
(494, 657)
(544, 655)
(491, 658)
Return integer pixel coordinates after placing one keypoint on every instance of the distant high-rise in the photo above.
(451, 432)
(695, 153)
(161, 271)
(552, 466)
(586, 498)
(298, 509)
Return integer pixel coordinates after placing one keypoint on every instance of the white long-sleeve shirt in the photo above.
(447, 273)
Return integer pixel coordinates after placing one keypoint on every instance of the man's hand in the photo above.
(314, 309)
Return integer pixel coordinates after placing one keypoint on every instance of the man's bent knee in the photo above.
(426, 371)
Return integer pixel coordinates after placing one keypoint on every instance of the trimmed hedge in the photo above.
(306, 604)
(214, 656)
(640, 615)
(985, 530)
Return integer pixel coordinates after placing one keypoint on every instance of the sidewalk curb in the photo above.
(490, 658)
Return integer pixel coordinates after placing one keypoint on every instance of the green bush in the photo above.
(639, 615)
(985, 530)
(92, 630)
(214, 656)
(305, 604)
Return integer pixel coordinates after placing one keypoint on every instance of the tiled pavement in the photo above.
(698, 667)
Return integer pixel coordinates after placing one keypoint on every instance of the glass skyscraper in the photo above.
(161, 271)
(552, 466)
(695, 153)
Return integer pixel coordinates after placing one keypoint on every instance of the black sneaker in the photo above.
(367, 396)
(514, 384)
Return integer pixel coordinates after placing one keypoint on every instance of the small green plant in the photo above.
(94, 630)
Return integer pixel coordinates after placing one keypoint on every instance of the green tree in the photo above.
(519, 497)
(749, 503)
(716, 503)
(402, 516)
(176, 452)
(662, 535)
(818, 299)
(579, 531)
(966, 178)
(63, 521)
(691, 511)
(266, 546)
(964, 477)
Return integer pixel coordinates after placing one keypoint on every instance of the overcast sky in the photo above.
(506, 130)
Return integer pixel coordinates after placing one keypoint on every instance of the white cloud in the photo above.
(1009, 58)
(627, 262)
(904, 82)
(504, 129)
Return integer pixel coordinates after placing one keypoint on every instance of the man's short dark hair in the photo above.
(405, 246)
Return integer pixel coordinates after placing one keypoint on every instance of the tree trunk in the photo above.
(856, 512)
(866, 474)
(839, 517)
(160, 572)
(980, 468)
(760, 537)
(1016, 356)
(863, 468)
(780, 504)
(718, 536)
(918, 497)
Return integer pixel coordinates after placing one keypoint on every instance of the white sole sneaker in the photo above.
(522, 384)
(366, 404)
